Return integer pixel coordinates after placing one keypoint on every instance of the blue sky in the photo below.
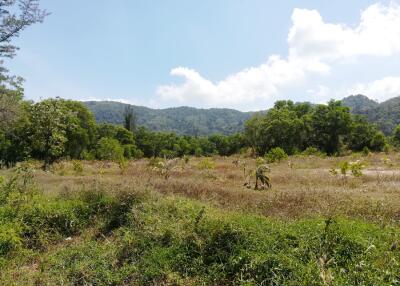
(212, 53)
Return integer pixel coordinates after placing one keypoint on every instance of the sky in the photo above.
(212, 53)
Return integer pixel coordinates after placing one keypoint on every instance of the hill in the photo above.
(359, 104)
(386, 114)
(181, 120)
(194, 121)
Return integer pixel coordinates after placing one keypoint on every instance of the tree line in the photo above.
(331, 128)
(56, 128)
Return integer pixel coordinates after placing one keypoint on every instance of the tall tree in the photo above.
(48, 133)
(330, 123)
(129, 119)
(15, 16)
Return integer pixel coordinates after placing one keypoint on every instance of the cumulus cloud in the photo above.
(378, 34)
(379, 90)
(250, 84)
(314, 47)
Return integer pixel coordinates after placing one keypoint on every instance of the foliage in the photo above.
(206, 164)
(109, 149)
(276, 155)
(396, 136)
(129, 119)
(355, 168)
(365, 135)
(281, 127)
(140, 240)
(329, 124)
(77, 167)
(262, 177)
(166, 167)
(385, 114)
(12, 23)
(48, 129)
(181, 120)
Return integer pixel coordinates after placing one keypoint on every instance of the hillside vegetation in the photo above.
(193, 121)
(181, 120)
(385, 115)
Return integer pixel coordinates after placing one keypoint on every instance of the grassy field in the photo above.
(96, 223)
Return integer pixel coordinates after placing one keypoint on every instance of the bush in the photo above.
(276, 155)
(10, 238)
(311, 151)
(366, 151)
(109, 149)
(206, 164)
(78, 167)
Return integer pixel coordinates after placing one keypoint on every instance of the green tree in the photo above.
(109, 149)
(48, 129)
(280, 127)
(396, 136)
(330, 123)
(80, 129)
(363, 134)
(129, 119)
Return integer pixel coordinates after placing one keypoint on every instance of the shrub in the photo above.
(355, 168)
(311, 151)
(206, 164)
(10, 238)
(276, 155)
(109, 149)
(365, 151)
(77, 167)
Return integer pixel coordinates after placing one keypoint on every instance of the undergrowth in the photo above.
(101, 237)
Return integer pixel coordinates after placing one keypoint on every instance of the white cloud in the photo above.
(378, 34)
(380, 90)
(250, 84)
(314, 47)
(321, 94)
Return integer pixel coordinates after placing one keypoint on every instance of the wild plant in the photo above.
(77, 166)
(354, 167)
(166, 167)
(123, 166)
(206, 164)
(262, 177)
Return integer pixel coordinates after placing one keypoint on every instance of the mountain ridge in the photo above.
(386, 115)
(186, 120)
(183, 120)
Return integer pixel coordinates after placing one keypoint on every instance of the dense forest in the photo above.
(180, 120)
(385, 115)
(205, 122)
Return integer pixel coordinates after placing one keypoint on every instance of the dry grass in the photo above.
(305, 187)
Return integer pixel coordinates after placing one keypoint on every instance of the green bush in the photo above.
(276, 155)
(109, 149)
(77, 167)
(10, 238)
(206, 164)
(311, 151)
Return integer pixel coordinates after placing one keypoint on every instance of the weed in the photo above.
(77, 167)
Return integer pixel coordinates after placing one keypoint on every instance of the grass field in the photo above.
(96, 223)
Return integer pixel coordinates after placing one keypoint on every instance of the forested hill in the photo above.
(181, 120)
(193, 121)
(386, 114)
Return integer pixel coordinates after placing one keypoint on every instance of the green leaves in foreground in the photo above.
(94, 237)
(157, 241)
